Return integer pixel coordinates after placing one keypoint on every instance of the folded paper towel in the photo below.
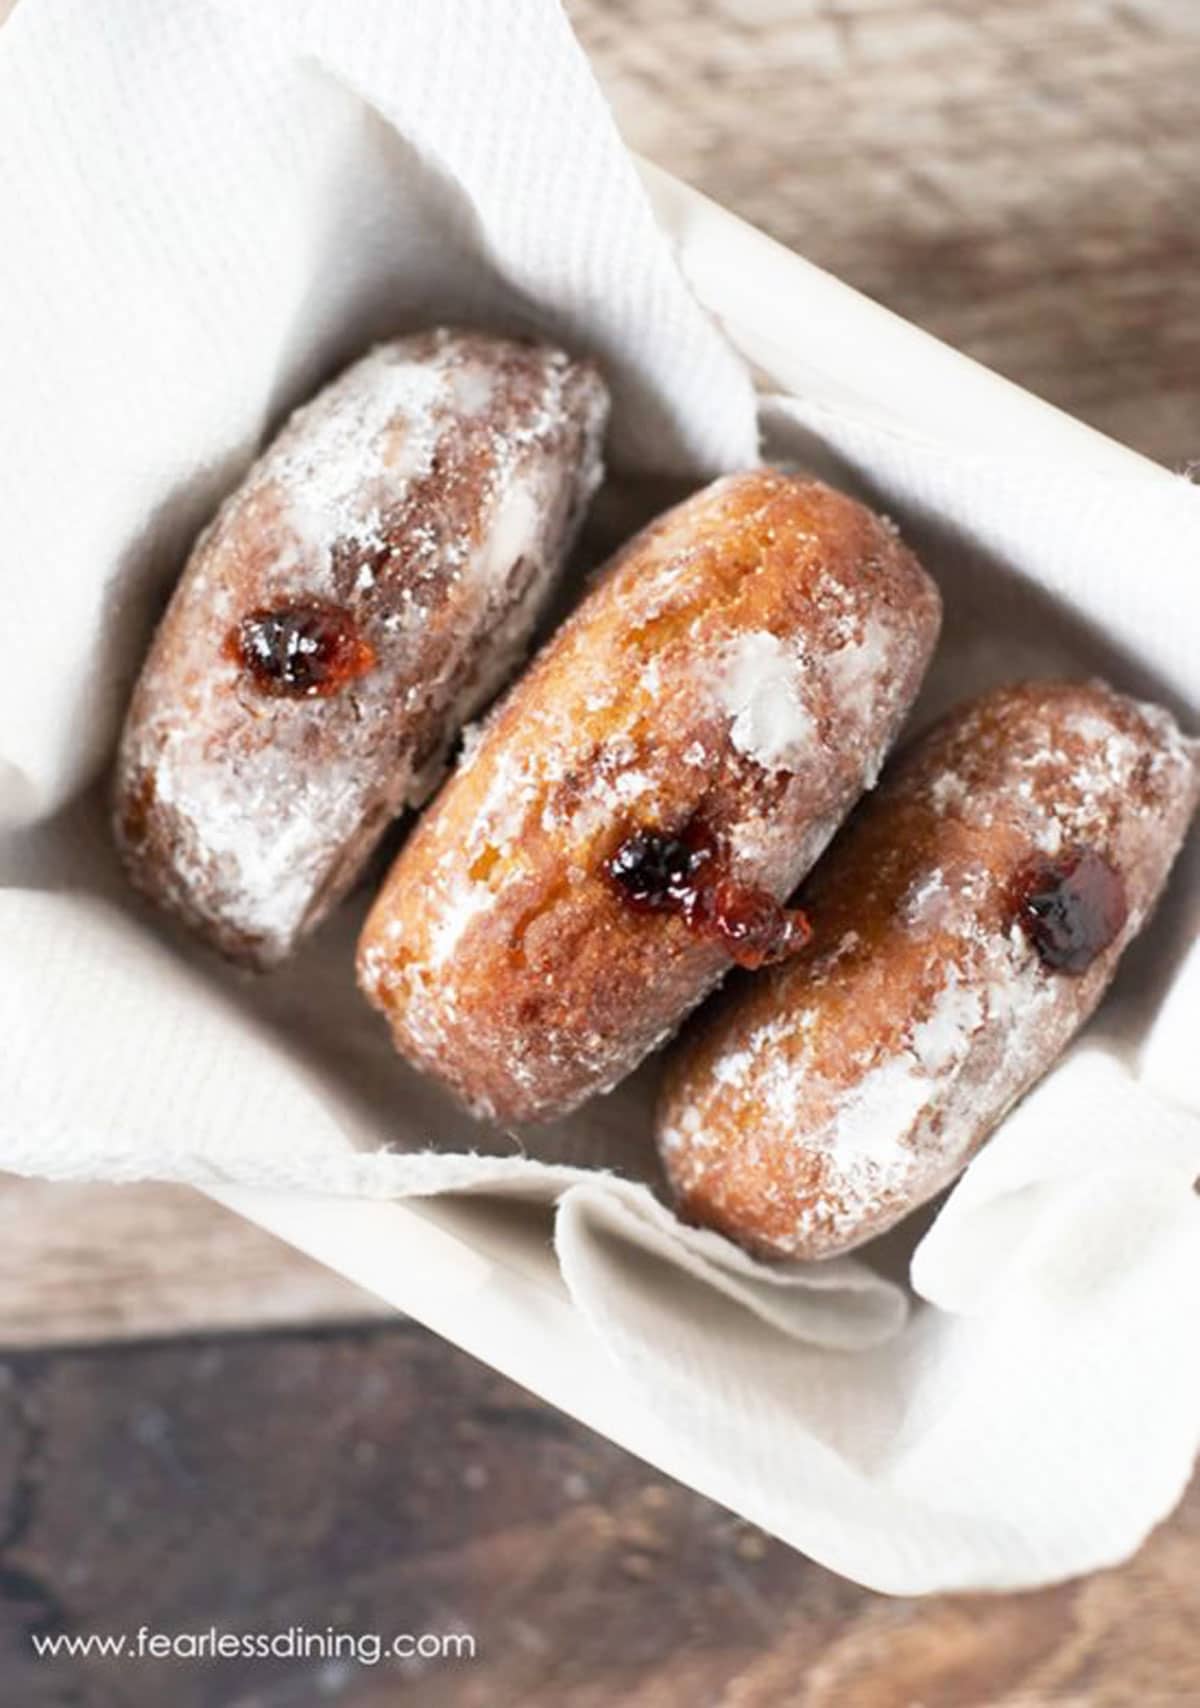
(203, 209)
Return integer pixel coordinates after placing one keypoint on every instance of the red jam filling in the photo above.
(1070, 908)
(301, 650)
(684, 875)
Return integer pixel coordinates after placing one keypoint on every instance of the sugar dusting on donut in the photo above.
(761, 688)
(866, 1142)
(430, 494)
(824, 1137)
(689, 696)
(342, 457)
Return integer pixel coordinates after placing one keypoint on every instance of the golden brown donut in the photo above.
(965, 925)
(371, 582)
(633, 814)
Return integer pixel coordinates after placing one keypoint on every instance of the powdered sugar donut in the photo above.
(632, 816)
(964, 926)
(373, 580)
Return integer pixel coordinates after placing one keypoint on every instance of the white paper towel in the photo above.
(205, 207)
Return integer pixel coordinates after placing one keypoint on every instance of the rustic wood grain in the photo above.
(376, 1481)
(108, 1262)
(1018, 176)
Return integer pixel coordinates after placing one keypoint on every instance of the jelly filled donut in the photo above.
(965, 925)
(371, 583)
(634, 814)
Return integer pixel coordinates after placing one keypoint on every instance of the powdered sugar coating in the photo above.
(697, 679)
(834, 1095)
(430, 493)
(761, 686)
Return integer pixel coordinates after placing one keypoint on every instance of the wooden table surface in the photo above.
(1022, 177)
